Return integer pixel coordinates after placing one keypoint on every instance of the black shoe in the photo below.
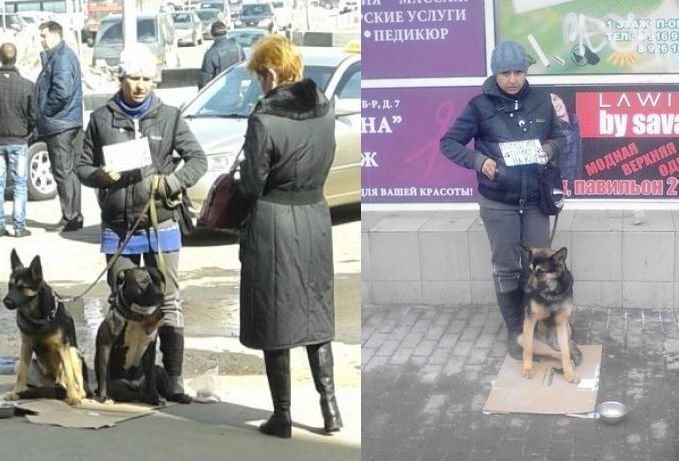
(4, 233)
(278, 425)
(22, 233)
(73, 225)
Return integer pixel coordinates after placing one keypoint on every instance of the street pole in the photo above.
(129, 23)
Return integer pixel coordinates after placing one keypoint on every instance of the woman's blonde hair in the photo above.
(279, 54)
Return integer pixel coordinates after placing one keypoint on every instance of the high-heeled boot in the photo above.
(172, 348)
(321, 363)
(277, 365)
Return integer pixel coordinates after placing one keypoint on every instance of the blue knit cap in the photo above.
(508, 56)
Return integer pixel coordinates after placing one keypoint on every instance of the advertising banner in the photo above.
(412, 38)
(400, 158)
(566, 37)
(621, 143)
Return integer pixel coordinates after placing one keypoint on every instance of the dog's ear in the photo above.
(15, 261)
(526, 251)
(120, 277)
(156, 275)
(36, 268)
(560, 256)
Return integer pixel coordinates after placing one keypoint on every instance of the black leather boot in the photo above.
(278, 374)
(511, 308)
(321, 363)
(172, 347)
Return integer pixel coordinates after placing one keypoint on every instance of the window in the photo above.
(349, 86)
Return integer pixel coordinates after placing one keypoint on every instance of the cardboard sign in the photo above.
(521, 152)
(128, 155)
(547, 392)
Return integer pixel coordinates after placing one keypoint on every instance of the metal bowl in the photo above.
(612, 412)
(6, 410)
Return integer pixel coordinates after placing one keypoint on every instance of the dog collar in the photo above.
(127, 311)
(29, 322)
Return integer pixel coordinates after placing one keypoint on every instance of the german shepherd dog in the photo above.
(126, 340)
(48, 332)
(548, 304)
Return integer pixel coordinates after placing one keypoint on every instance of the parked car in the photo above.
(283, 14)
(258, 15)
(188, 28)
(218, 118)
(153, 30)
(222, 5)
(208, 16)
(41, 183)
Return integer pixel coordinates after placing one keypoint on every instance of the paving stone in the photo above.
(427, 405)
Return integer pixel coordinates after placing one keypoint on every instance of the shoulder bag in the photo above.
(224, 207)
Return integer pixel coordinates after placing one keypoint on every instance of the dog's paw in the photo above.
(155, 400)
(528, 372)
(74, 400)
(571, 377)
(12, 396)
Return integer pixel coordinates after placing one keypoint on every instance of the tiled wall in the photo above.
(444, 258)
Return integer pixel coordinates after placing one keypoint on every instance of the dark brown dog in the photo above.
(48, 332)
(548, 305)
(126, 340)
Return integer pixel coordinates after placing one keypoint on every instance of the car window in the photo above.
(236, 92)
(349, 86)
(146, 32)
(255, 10)
(181, 17)
(207, 14)
(244, 39)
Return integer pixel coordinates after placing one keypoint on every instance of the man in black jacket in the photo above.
(59, 100)
(222, 54)
(16, 124)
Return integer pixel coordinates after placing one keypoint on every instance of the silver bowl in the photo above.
(611, 412)
(6, 410)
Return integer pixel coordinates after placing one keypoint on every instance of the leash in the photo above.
(150, 207)
(551, 235)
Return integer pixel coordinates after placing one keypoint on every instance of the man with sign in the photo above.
(515, 131)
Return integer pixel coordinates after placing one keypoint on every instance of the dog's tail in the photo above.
(44, 392)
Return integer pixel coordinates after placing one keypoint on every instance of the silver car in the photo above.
(218, 117)
(188, 28)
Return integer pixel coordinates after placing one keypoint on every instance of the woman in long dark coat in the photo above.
(286, 294)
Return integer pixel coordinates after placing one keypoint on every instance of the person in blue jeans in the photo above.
(16, 124)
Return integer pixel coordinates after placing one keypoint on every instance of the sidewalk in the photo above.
(427, 372)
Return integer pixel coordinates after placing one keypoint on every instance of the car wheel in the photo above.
(41, 183)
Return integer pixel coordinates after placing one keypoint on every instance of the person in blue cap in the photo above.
(508, 109)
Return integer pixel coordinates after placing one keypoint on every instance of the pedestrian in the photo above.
(222, 54)
(134, 122)
(59, 99)
(286, 289)
(16, 125)
(508, 109)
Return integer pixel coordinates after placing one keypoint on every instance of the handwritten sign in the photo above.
(128, 155)
(521, 152)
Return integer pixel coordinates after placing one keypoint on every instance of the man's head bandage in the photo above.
(137, 60)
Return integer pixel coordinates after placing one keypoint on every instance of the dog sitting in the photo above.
(126, 339)
(48, 333)
(548, 305)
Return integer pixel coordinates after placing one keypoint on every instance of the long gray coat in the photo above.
(286, 290)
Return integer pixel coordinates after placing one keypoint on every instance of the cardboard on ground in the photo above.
(547, 392)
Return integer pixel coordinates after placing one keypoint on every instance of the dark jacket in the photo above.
(166, 131)
(493, 117)
(59, 93)
(16, 107)
(286, 292)
(222, 54)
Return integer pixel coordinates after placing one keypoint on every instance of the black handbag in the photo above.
(551, 189)
(224, 207)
